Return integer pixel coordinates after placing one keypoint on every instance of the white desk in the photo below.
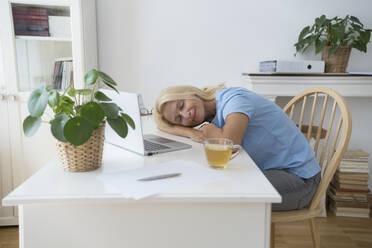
(75, 210)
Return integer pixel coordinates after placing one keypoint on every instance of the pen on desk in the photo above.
(158, 177)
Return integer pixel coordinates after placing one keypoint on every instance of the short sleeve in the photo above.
(239, 103)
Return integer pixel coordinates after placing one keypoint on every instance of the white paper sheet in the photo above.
(193, 174)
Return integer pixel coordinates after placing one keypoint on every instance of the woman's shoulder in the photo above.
(234, 91)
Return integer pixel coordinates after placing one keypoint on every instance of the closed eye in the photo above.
(179, 119)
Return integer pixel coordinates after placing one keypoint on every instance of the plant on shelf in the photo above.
(334, 38)
(78, 119)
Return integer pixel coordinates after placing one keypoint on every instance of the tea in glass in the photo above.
(218, 155)
(219, 151)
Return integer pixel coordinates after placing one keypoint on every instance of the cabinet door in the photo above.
(29, 62)
(30, 58)
(6, 175)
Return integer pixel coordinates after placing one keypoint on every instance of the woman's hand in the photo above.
(211, 131)
(197, 136)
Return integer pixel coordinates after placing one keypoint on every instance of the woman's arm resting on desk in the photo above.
(195, 135)
(235, 126)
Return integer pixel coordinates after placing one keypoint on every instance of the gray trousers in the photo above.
(296, 192)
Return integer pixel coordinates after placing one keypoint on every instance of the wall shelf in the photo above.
(290, 84)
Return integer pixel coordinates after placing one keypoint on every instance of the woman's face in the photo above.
(187, 112)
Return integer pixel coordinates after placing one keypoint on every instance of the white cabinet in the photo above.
(28, 52)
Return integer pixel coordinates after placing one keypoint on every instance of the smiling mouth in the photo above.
(194, 117)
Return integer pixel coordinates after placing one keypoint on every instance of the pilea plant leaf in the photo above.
(53, 98)
(111, 109)
(110, 86)
(93, 113)
(77, 130)
(57, 125)
(30, 125)
(38, 101)
(119, 125)
(100, 96)
(128, 120)
(71, 92)
(106, 78)
(91, 77)
(84, 92)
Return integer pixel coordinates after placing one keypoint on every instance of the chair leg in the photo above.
(272, 235)
(314, 233)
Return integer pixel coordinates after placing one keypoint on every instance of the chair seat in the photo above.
(295, 215)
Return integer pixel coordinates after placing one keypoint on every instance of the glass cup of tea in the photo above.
(219, 151)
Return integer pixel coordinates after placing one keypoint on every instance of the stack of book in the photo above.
(349, 187)
(63, 73)
(32, 21)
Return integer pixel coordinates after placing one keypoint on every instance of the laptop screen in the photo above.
(128, 102)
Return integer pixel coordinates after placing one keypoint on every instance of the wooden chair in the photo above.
(329, 151)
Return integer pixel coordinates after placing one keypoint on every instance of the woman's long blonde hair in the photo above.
(181, 92)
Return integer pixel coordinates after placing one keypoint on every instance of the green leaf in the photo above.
(57, 125)
(30, 125)
(77, 130)
(365, 37)
(67, 99)
(320, 21)
(111, 86)
(323, 20)
(119, 125)
(111, 109)
(106, 78)
(357, 44)
(355, 19)
(100, 96)
(128, 120)
(84, 92)
(356, 27)
(38, 101)
(93, 113)
(71, 92)
(91, 77)
(66, 106)
(53, 98)
(304, 32)
(319, 45)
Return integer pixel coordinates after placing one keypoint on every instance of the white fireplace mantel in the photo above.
(290, 84)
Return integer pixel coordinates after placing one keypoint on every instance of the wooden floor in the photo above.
(340, 232)
(9, 237)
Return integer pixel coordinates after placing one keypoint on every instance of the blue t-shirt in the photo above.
(272, 139)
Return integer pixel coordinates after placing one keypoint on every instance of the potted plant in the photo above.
(334, 37)
(78, 120)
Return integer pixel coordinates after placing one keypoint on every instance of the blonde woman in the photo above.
(263, 130)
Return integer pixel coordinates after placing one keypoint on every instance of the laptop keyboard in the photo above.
(151, 146)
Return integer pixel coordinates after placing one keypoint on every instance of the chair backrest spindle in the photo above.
(312, 118)
(317, 139)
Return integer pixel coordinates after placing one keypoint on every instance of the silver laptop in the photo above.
(135, 141)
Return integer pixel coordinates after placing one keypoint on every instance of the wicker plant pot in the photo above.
(85, 157)
(337, 62)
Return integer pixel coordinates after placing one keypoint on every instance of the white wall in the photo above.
(147, 45)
